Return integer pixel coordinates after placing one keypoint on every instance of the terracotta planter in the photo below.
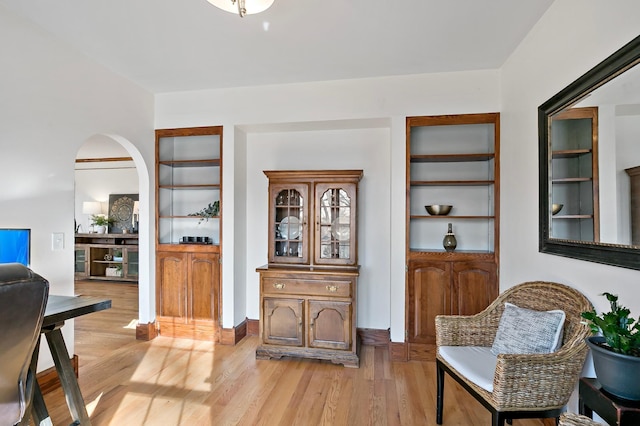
(617, 373)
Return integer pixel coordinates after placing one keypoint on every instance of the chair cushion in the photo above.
(525, 331)
(476, 363)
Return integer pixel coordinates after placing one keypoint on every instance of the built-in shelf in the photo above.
(188, 283)
(190, 163)
(451, 160)
(451, 182)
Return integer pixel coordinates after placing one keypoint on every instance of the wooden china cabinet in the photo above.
(308, 288)
(188, 180)
(451, 160)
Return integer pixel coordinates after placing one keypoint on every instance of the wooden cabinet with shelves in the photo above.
(574, 174)
(188, 180)
(188, 294)
(310, 313)
(451, 160)
(308, 288)
(324, 225)
(112, 257)
(446, 286)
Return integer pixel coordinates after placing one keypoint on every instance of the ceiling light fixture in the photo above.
(242, 7)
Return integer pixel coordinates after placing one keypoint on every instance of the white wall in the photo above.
(53, 100)
(96, 180)
(551, 57)
(366, 149)
(359, 122)
(97, 183)
(571, 38)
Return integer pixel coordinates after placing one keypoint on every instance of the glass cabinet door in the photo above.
(288, 224)
(81, 262)
(335, 224)
(132, 263)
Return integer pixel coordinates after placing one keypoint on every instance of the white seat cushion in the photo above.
(476, 363)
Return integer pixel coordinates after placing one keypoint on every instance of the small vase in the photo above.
(449, 242)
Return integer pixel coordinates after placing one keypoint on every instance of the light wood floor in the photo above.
(183, 382)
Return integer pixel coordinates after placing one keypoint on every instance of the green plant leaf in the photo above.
(621, 332)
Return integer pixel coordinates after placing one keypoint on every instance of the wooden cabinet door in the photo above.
(475, 286)
(329, 324)
(282, 321)
(172, 270)
(429, 294)
(335, 224)
(289, 223)
(204, 284)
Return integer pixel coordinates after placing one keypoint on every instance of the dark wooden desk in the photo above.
(59, 309)
(613, 410)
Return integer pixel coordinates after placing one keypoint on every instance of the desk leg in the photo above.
(38, 407)
(67, 377)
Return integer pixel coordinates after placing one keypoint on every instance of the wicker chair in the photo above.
(524, 386)
(571, 419)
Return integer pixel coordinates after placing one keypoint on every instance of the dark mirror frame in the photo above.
(610, 254)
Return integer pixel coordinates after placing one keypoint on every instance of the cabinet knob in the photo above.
(332, 288)
(278, 286)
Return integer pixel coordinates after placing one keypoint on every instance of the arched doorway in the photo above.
(115, 163)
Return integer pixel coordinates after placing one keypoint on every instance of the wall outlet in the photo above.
(57, 241)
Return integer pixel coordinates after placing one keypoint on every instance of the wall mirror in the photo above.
(589, 162)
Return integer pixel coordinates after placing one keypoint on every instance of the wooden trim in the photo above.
(189, 131)
(196, 329)
(48, 379)
(231, 336)
(147, 331)
(374, 337)
(253, 327)
(103, 160)
(421, 351)
(399, 351)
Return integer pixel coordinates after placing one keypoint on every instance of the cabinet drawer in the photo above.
(306, 287)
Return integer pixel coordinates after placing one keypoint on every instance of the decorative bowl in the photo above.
(555, 208)
(438, 209)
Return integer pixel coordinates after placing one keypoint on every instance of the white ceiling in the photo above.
(173, 45)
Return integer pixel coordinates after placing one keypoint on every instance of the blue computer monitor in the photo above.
(15, 246)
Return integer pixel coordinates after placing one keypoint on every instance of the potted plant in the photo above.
(101, 222)
(615, 349)
(212, 210)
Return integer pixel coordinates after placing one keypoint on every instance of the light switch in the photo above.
(57, 241)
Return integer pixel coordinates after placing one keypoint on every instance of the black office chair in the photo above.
(23, 299)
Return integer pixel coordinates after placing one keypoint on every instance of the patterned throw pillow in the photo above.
(525, 331)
